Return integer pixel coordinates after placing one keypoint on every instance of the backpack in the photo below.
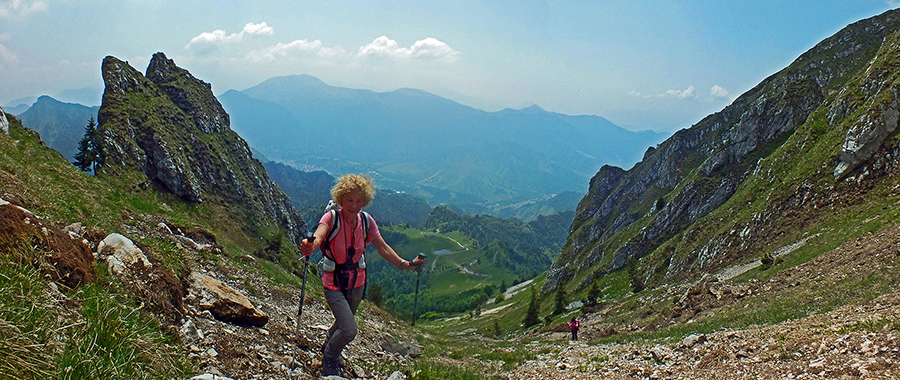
(328, 263)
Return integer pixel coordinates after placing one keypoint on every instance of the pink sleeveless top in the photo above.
(345, 238)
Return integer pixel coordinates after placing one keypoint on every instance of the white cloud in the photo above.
(427, 49)
(7, 56)
(296, 48)
(682, 94)
(13, 9)
(719, 92)
(209, 41)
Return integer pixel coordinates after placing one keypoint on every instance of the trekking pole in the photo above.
(418, 277)
(311, 238)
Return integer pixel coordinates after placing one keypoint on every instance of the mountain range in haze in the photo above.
(424, 144)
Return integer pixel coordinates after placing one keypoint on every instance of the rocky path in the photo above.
(844, 344)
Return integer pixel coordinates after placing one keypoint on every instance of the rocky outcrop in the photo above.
(169, 126)
(180, 86)
(626, 215)
(4, 123)
(878, 96)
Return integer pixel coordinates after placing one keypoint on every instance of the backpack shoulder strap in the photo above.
(335, 226)
(365, 225)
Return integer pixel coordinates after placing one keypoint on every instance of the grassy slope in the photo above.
(134, 344)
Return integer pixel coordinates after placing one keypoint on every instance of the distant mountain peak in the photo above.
(302, 80)
(533, 108)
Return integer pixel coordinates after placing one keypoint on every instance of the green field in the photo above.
(454, 252)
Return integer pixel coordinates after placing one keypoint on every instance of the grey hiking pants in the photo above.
(344, 328)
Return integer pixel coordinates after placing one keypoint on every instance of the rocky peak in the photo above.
(192, 95)
(171, 128)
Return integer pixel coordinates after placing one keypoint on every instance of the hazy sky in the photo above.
(643, 64)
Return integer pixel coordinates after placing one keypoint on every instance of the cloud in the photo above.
(7, 56)
(719, 92)
(682, 94)
(208, 41)
(296, 48)
(13, 9)
(430, 49)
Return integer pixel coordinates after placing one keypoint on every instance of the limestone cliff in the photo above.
(658, 219)
(169, 126)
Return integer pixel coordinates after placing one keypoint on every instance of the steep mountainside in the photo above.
(170, 127)
(418, 141)
(61, 125)
(777, 164)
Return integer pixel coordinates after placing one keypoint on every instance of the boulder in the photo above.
(224, 302)
(389, 344)
(121, 254)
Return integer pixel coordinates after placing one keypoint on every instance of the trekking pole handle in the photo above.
(311, 238)
(420, 256)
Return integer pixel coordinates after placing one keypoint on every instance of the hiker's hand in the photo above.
(417, 263)
(306, 246)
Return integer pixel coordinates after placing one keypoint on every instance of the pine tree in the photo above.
(593, 295)
(88, 150)
(531, 316)
(560, 301)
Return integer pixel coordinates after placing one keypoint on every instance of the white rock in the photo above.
(397, 375)
(123, 249)
(209, 376)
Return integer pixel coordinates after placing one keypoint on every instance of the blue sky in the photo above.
(643, 64)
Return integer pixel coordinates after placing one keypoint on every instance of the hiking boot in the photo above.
(330, 367)
(340, 360)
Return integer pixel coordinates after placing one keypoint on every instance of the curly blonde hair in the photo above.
(354, 182)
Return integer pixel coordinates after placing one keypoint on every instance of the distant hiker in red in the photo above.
(573, 326)
(342, 236)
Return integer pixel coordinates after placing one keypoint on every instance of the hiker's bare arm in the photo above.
(392, 257)
(307, 247)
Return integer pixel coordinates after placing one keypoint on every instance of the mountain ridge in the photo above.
(634, 218)
(60, 124)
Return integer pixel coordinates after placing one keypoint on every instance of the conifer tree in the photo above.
(88, 150)
(531, 316)
(560, 301)
(593, 294)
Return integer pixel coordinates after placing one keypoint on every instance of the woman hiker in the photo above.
(573, 326)
(345, 281)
